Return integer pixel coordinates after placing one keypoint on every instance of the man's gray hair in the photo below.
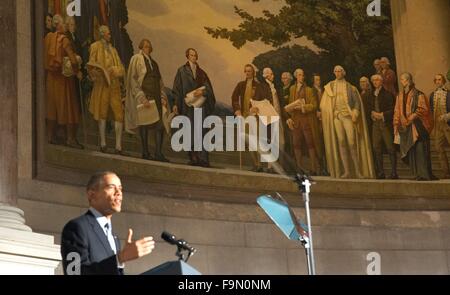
(408, 76)
(376, 76)
(386, 60)
(297, 71)
(364, 78)
(69, 19)
(289, 75)
(103, 30)
(57, 20)
(338, 67)
(377, 61)
(267, 72)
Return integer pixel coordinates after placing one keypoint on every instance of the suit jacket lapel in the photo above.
(117, 241)
(99, 233)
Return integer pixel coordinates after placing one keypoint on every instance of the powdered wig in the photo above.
(385, 60)
(57, 20)
(336, 68)
(409, 77)
(267, 72)
(289, 75)
(376, 77)
(103, 30)
(298, 71)
(70, 19)
(442, 76)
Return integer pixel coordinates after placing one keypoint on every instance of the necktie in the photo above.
(110, 237)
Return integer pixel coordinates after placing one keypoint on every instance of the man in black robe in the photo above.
(190, 77)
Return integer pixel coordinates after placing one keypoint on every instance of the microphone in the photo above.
(172, 239)
(169, 238)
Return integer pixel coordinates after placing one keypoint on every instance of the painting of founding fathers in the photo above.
(231, 42)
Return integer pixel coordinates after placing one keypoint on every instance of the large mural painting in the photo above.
(119, 74)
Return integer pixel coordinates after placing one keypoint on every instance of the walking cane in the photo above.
(83, 113)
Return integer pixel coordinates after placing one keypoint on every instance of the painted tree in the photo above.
(341, 29)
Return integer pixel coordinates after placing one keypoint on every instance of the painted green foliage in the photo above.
(341, 29)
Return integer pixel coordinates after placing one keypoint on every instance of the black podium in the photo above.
(173, 268)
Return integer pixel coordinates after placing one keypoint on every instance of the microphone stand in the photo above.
(180, 248)
(304, 183)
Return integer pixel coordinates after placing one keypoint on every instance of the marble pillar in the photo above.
(422, 39)
(21, 250)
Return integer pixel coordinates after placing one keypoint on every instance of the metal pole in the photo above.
(308, 258)
(83, 113)
(307, 185)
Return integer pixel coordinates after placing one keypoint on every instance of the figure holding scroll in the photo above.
(302, 122)
(191, 78)
(145, 100)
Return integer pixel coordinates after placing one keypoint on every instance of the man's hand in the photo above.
(238, 113)
(404, 121)
(411, 119)
(354, 117)
(80, 75)
(136, 249)
(290, 124)
(164, 102)
(147, 104)
(199, 92)
(319, 115)
(175, 110)
(377, 116)
(254, 111)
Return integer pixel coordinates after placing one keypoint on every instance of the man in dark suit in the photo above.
(90, 236)
(381, 110)
(191, 78)
(243, 94)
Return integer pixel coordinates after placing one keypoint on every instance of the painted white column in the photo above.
(21, 250)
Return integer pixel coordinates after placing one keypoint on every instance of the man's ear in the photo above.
(91, 195)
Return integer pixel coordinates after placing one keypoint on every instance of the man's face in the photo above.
(48, 22)
(270, 76)
(147, 48)
(376, 65)
(317, 81)
(384, 65)
(72, 26)
(285, 79)
(249, 73)
(339, 73)
(363, 84)
(300, 76)
(404, 81)
(61, 28)
(192, 56)
(438, 81)
(107, 197)
(107, 36)
(377, 82)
